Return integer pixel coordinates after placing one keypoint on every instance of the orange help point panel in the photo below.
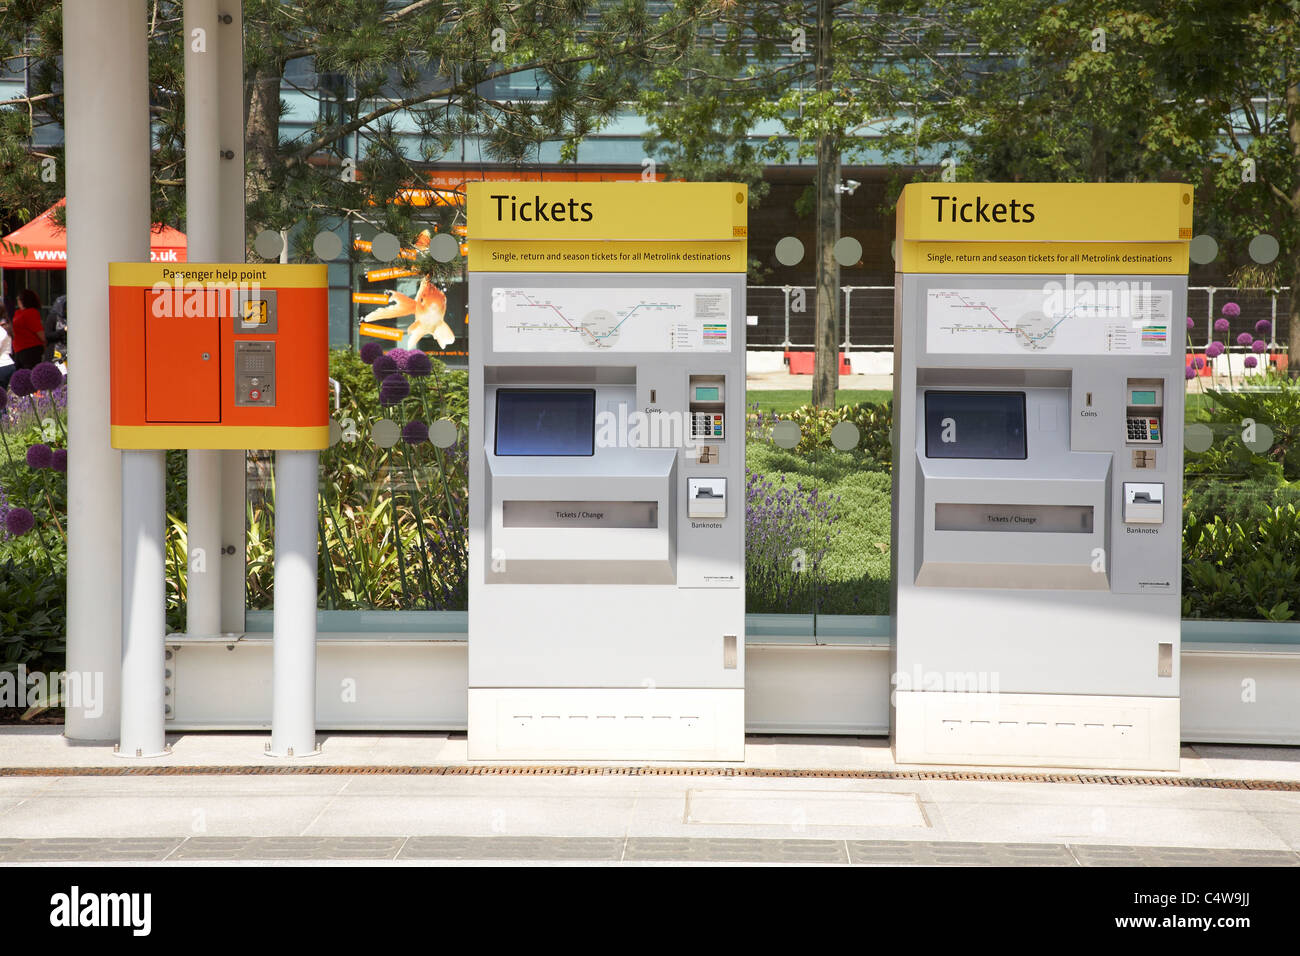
(211, 355)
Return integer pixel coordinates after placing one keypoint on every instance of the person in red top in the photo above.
(29, 331)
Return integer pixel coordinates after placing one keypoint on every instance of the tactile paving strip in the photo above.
(628, 849)
(557, 770)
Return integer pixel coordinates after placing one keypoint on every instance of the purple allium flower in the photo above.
(1198, 362)
(39, 456)
(1191, 323)
(1220, 325)
(59, 459)
(1245, 338)
(1263, 326)
(46, 376)
(1231, 310)
(1189, 373)
(415, 432)
(19, 521)
(21, 384)
(1259, 345)
(399, 358)
(418, 364)
(371, 351)
(1214, 350)
(1250, 361)
(384, 366)
(393, 389)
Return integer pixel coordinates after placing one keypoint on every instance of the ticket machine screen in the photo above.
(975, 425)
(545, 421)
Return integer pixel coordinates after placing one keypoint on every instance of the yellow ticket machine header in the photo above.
(1044, 227)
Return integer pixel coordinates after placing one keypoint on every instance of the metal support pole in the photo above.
(848, 298)
(1209, 329)
(293, 678)
(203, 500)
(788, 290)
(144, 605)
(1272, 323)
(106, 123)
(230, 108)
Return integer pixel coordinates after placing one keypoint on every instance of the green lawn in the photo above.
(783, 400)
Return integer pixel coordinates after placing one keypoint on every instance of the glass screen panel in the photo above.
(975, 425)
(545, 421)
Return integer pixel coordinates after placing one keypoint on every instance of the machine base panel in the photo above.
(1037, 730)
(585, 723)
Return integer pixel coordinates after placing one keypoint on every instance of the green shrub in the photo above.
(874, 422)
(33, 615)
(1269, 402)
(1242, 570)
(392, 521)
(1246, 501)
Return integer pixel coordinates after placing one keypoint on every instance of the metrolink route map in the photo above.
(620, 320)
(1104, 318)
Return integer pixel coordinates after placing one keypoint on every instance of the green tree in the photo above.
(1239, 62)
(397, 85)
(829, 75)
(1200, 91)
(1052, 91)
(31, 142)
(408, 81)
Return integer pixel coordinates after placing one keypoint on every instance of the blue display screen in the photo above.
(546, 421)
(975, 425)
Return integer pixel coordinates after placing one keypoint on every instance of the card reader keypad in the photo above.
(1144, 429)
(706, 425)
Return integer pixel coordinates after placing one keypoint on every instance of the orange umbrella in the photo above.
(45, 244)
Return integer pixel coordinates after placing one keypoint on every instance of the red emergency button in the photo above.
(255, 394)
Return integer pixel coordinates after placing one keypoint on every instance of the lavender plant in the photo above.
(788, 529)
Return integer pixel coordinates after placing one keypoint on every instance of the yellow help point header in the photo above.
(607, 227)
(1044, 227)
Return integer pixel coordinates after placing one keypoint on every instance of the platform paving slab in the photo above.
(628, 850)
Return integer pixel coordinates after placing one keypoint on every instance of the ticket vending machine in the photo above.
(607, 457)
(1038, 396)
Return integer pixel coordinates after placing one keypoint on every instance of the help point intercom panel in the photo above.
(209, 355)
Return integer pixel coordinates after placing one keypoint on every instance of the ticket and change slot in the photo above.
(547, 473)
(1060, 519)
(580, 514)
(1011, 504)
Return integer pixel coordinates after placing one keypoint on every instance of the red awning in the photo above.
(45, 245)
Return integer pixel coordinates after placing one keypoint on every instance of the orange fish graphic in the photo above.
(429, 308)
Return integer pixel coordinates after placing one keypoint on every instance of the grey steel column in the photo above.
(293, 678)
(144, 604)
(203, 232)
(106, 124)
